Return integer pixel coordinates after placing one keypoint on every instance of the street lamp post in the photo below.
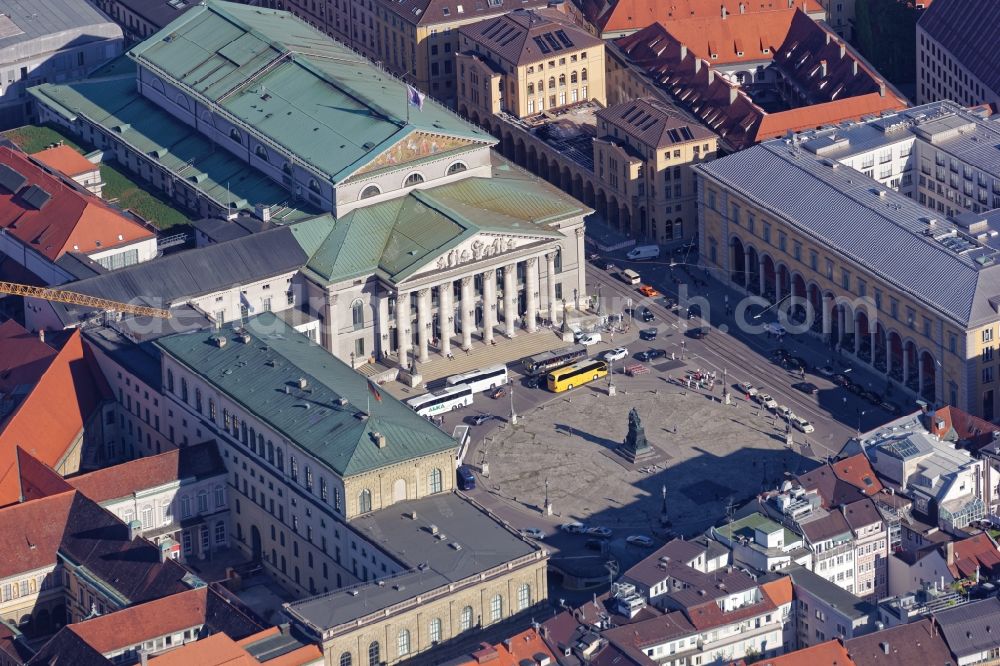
(631, 314)
(663, 508)
(513, 414)
(547, 506)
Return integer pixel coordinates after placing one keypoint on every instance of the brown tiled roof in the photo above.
(33, 532)
(857, 471)
(848, 90)
(38, 479)
(651, 632)
(58, 217)
(778, 591)
(653, 122)
(523, 646)
(905, 645)
(740, 38)
(971, 431)
(518, 36)
(975, 553)
(174, 613)
(832, 490)
(861, 514)
(826, 527)
(623, 15)
(830, 653)
(66, 647)
(198, 462)
(216, 650)
(709, 616)
(51, 418)
(23, 359)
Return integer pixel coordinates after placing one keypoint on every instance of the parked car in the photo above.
(802, 425)
(855, 388)
(533, 533)
(573, 528)
(767, 401)
(534, 381)
(588, 339)
(600, 531)
(806, 387)
(774, 328)
(699, 333)
(840, 380)
(825, 371)
(783, 411)
(498, 392)
(648, 291)
(640, 540)
(480, 419)
(648, 333)
(643, 252)
(616, 354)
(748, 388)
(650, 354)
(890, 407)
(646, 315)
(466, 479)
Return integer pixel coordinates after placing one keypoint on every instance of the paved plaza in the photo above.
(707, 454)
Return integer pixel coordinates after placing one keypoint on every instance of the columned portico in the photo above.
(531, 294)
(550, 272)
(489, 304)
(509, 298)
(423, 322)
(446, 315)
(468, 308)
(402, 326)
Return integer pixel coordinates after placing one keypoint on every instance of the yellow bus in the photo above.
(564, 379)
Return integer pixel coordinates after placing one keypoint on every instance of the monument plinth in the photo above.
(635, 447)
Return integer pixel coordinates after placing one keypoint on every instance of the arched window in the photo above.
(552, 83)
(496, 608)
(181, 101)
(345, 659)
(235, 135)
(457, 167)
(158, 86)
(358, 314)
(281, 460)
(413, 179)
(403, 642)
(434, 481)
(466, 619)
(260, 445)
(261, 152)
(562, 79)
(583, 74)
(370, 191)
(523, 596)
(270, 452)
(435, 630)
(313, 185)
(374, 654)
(365, 501)
(573, 77)
(184, 389)
(197, 399)
(170, 380)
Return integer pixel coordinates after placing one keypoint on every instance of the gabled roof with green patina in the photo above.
(263, 376)
(278, 76)
(397, 238)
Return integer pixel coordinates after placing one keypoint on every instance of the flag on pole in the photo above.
(374, 391)
(414, 97)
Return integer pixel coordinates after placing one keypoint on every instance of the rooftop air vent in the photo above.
(219, 341)
(455, 546)
(303, 382)
(433, 529)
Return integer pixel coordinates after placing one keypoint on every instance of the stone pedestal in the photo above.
(485, 469)
(413, 379)
(635, 447)
(612, 389)
(547, 509)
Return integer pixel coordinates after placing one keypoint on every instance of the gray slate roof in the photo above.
(257, 374)
(971, 628)
(654, 122)
(515, 37)
(839, 598)
(30, 27)
(968, 29)
(844, 211)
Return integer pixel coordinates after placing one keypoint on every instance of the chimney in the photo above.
(885, 647)
(743, 8)
(949, 551)
(134, 529)
(723, 12)
(143, 657)
(263, 212)
(881, 89)
(164, 551)
(697, 65)
(854, 67)
(41, 335)
(733, 94)
(711, 76)
(791, 4)
(684, 52)
(828, 37)
(843, 50)
(822, 69)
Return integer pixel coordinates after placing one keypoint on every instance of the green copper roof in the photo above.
(263, 376)
(289, 82)
(114, 104)
(397, 238)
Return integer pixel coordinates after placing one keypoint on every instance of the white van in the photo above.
(629, 276)
(643, 253)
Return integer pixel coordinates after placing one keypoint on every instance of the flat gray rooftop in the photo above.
(839, 598)
(434, 561)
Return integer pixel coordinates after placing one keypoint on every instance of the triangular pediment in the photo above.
(417, 146)
(484, 247)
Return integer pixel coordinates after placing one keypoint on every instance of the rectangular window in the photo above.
(845, 279)
(988, 374)
(782, 241)
(829, 269)
(736, 214)
(894, 308)
(813, 259)
(987, 334)
(767, 232)
(862, 288)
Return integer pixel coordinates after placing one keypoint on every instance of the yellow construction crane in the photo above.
(74, 298)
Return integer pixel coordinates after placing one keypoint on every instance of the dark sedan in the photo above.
(806, 387)
(650, 354)
(648, 333)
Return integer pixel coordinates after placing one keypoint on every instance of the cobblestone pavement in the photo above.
(707, 454)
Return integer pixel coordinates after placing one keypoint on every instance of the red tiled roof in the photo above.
(65, 159)
(51, 418)
(709, 616)
(623, 15)
(831, 653)
(977, 552)
(135, 475)
(957, 424)
(778, 591)
(38, 479)
(32, 533)
(746, 34)
(23, 359)
(70, 220)
(524, 645)
(216, 650)
(857, 471)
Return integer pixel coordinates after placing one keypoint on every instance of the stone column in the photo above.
(872, 337)
(510, 298)
(382, 328)
(489, 304)
(760, 276)
(468, 308)
(777, 285)
(402, 326)
(423, 322)
(550, 268)
(330, 323)
(857, 333)
(906, 367)
(841, 325)
(825, 305)
(888, 355)
(446, 315)
(531, 294)
(920, 377)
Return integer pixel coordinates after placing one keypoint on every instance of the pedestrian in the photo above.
(466, 351)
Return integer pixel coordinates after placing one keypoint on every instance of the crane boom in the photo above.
(61, 296)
